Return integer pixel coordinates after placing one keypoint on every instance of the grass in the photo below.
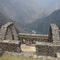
(9, 56)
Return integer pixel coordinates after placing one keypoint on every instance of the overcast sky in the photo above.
(48, 3)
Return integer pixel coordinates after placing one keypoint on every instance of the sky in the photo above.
(48, 3)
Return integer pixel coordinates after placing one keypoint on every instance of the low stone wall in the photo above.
(11, 46)
(47, 50)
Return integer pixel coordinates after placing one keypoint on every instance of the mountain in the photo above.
(22, 11)
(42, 25)
(4, 19)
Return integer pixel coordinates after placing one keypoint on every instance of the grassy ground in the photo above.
(9, 56)
(12, 57)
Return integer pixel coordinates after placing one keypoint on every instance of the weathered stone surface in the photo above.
(54, 33)
(32, 38)
(12, 46)
(8, 31)
(9, 37)
(14, 32)
(47, 49)
(9, 34)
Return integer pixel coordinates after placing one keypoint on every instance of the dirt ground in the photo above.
(27, 48)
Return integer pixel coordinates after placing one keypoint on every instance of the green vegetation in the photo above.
(9, 56)
(12, 57)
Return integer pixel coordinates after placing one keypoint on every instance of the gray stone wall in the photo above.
(47, 50)
(54, 33)
(11, 47)
(32, 38)
(8, 31)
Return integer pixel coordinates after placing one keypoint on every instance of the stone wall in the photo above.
(47, 49)
(8, 31)
(54, 33)
(11, 46)
(32, 38)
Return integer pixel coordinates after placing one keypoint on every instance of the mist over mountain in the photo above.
(42, 25)
(23, 11)
(3, 19)
(29, 14)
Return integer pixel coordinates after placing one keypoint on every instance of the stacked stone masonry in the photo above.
(9, 38)
(52, 47)
(32, 38)
(8, 31)
(11, 46)
(49, 49)
(49, 44)
(53, 33)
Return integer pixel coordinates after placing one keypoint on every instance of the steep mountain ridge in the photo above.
(42, 25)
(23, 11)
(4, 19)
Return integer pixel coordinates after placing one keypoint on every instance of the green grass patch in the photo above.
(9, 56)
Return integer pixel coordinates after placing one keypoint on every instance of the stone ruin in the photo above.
(54, 34)
(52, 47)
(9, 40)
(8, 31)
(10, 45)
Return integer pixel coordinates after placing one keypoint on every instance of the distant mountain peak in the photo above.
(42, 25)
(23, 11)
